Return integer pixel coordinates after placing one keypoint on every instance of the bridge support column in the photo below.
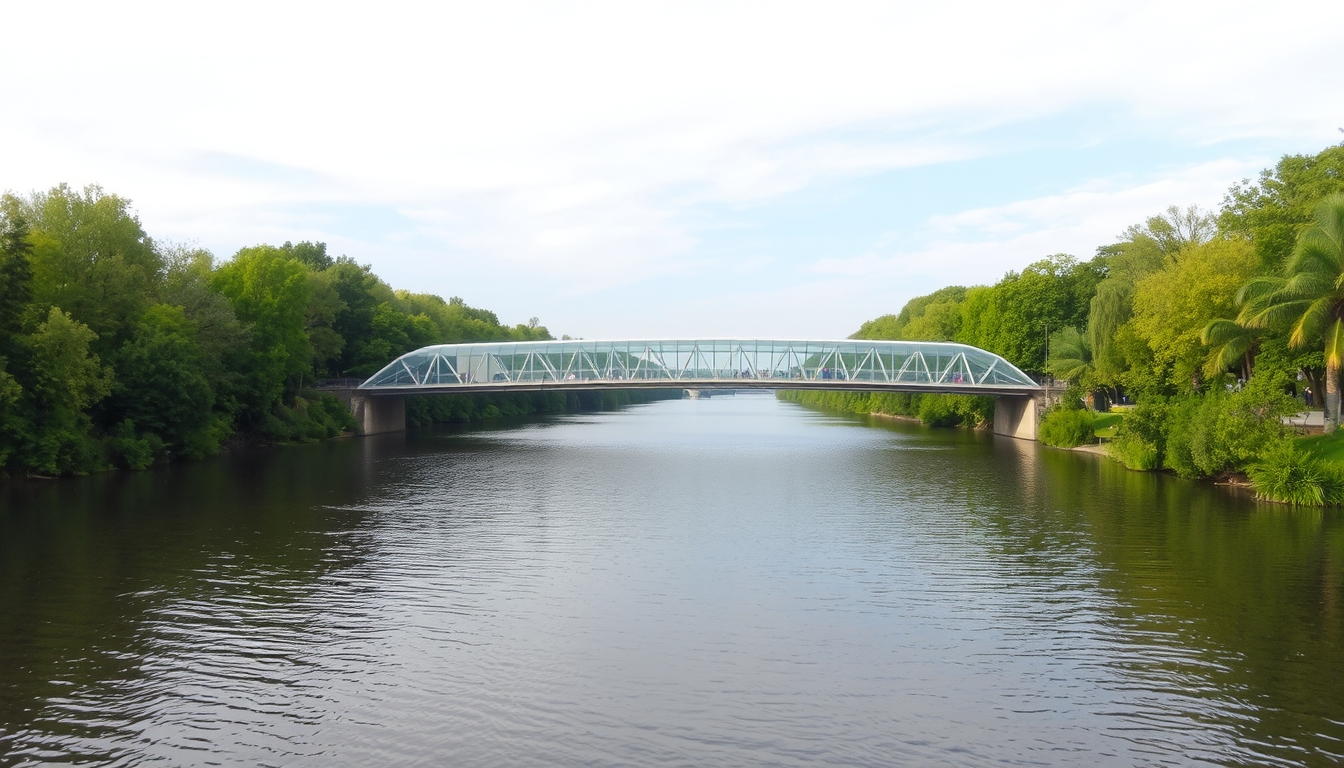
(379, 414)
(1017, 416)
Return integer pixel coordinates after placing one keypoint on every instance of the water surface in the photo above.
(731, 581)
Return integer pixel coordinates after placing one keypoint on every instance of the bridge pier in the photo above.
(377, 415)
(1017, 416)
(1020, 415)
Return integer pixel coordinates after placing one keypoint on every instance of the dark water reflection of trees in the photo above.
(1236, 603)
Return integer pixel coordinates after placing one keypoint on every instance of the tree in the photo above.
(324, 305)
(1309, 296)
(91, 258)
(14, 430)
(310, 253)
(269, 292)
(1125, 263)
(1172, 307)
(1233, 344)
(1175, 230)
(360, 292)
(1070, 356)
(934, 317)
(1012, 317)
(67, 379)
(161, 383)
(16, 272)
(1274, 209)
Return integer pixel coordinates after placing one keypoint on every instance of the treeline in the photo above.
(118, 351)
(426, 410)
(1215, 324)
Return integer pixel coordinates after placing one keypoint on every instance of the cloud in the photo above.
(604, 145)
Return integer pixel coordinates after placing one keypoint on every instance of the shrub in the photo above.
(939, 412)
(1224, 431)
(1066, 427)
(1291, 476)
(951, 410)
(1135, 452)
(131, 451)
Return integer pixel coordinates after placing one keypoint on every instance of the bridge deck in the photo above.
(846, 364)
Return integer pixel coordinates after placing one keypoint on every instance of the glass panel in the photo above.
(897, 364)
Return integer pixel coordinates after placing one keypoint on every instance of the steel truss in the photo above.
(700, 362)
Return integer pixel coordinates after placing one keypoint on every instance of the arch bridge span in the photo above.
(849, 364)
(902, 366)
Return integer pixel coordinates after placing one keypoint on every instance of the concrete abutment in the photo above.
(380, 414)
(1020, 415)
(375, 414)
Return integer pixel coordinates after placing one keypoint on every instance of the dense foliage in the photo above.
(934, 410)
(117, 350)
(1066, 427)
(1216, 324)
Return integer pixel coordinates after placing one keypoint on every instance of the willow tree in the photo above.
(1309, 296)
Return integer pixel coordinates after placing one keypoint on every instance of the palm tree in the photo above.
(1309, 296)
(1070, 355)
(1233, 344)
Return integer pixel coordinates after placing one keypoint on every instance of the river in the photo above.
(729, 581)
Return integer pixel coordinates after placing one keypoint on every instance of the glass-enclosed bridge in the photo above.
(904, 366)
(698, 364)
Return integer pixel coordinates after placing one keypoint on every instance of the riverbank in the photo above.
(933, 409)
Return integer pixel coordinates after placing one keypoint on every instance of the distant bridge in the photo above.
(854, 365)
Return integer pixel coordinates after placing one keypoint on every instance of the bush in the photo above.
(939, 412)
(934, 410)
(1224, 431)
(1066, 427)
(131, 451)
(318, 416)
(1291, 476)
(1136, 453)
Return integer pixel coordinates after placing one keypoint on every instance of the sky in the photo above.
(671, 169)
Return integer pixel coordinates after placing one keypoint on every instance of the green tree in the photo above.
(934, 317)
(360, 292)
(1231, 345)
(312, 254)
(161, 384)
(1309, 296)
(1070, 356)
(1125, 263)
(884, 327)
(66, 380)
(269, 292)
(16, 272)
(1172, 307)
(14, 426)
(1272, 210)
(324, 306)
(1013, 317)
(92, 259)
(224, 341)
(1174, 230)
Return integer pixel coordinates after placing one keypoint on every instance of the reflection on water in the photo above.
(723, 581)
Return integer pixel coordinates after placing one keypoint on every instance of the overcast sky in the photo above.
(637, 169)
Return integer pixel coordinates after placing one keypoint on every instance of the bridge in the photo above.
(700, 364)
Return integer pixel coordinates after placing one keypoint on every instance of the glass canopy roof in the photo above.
(687, 362)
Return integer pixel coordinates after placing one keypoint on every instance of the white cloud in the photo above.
(602, 144)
